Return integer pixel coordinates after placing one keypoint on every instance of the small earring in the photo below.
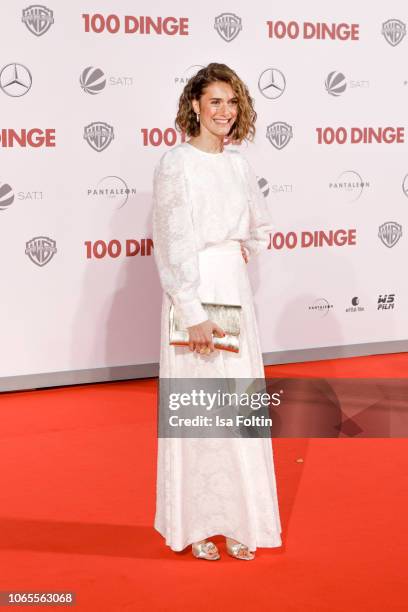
(198, 117)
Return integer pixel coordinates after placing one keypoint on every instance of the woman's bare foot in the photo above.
(238, 550)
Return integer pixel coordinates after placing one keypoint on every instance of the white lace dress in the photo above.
(204, 206)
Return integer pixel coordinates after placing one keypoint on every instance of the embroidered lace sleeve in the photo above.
(260, 219)
(173, 239)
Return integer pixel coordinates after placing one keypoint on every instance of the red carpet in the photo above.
(77, 496)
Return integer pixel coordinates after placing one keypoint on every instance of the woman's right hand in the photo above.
(200, 336)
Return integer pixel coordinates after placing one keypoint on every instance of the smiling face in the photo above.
(218, 108)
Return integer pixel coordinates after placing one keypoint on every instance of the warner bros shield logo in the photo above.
(279, 134)
(38, 19)
(98, 135)
(41, 250)
(389, 233)
(228, 26)
(394, 31)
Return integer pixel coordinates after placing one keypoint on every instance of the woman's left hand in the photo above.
(244, 253)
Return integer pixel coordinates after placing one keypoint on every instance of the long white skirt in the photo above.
(211, 486)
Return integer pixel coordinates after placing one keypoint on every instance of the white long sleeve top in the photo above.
(200, 199)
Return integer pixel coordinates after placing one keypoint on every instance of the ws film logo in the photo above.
(98, 135)
(389, 233)
(93, 80)
(38, 19)
(41, 250)
(228, 26)
(386, 301)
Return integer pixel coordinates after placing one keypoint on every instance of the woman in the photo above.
(209, 218)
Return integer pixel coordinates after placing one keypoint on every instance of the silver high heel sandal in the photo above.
(240, 551)
(205, 550)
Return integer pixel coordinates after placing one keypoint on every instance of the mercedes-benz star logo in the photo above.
(15, 80)
(272, 83)
(405, 185)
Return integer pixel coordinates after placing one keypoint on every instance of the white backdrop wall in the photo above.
(73, 209)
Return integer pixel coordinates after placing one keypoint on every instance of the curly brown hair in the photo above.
(244, 126)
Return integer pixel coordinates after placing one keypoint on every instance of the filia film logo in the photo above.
(389, 233)
(38, 19)
(98, 135)
(393, 31)
(279, 134)
(355, 305)
(228, 26)
(41, 250)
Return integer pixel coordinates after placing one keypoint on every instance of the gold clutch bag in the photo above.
(227, 316)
